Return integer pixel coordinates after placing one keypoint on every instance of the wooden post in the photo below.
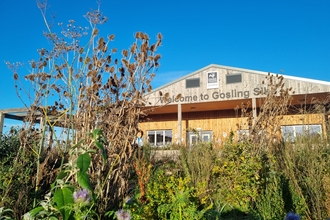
(179, 123)
(2, 121)
(254, 109)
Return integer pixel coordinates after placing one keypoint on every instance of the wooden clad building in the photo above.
(206, 100)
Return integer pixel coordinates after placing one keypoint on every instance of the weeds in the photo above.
(81, 88)
(98, 100)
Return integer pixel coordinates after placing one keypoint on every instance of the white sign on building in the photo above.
(212, 80)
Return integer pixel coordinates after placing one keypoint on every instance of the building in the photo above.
(207, 100)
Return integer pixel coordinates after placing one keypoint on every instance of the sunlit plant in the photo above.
(81, 88)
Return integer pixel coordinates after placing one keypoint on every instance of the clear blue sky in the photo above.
(266, 35)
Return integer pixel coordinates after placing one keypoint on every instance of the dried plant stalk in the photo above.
(81, 88)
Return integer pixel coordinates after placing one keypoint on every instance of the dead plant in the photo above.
(265, 129)
(81, 88)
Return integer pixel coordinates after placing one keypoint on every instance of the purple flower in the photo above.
(292, 216)
(123, 215)
(82, 197)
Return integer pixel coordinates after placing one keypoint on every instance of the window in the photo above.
(206, 137)
(159, 138)
(291, 132)
(192, 83)
(234, 78)
(195, 137)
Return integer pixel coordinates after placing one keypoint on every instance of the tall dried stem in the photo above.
(89, 88)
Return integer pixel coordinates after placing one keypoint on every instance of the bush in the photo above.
(16, 174)
(169, 197)
(239, 180)
(9, 144)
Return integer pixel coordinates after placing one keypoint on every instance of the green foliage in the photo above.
(142, 166)
(63, 198)
(238, 176)
(168, 197)
(66, 199)
(6, 214)
(180, 207)
(305, 165)
(83, 162)
(270, 201)
(198, 162)
(99, 139)
(9, 144)
(16, 173)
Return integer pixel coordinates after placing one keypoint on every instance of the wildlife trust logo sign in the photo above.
(212, 80)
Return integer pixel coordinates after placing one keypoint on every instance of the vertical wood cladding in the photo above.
(221, 123)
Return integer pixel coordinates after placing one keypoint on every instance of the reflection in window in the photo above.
(151, 138)
(206, 137)
(159, 138)
(291, 132)
(200, 136)
(193, 139)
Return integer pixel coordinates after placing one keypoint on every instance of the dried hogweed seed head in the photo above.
(15, 76)
(111, 37)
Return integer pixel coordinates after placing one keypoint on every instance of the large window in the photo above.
(159, 138)
(291, 132)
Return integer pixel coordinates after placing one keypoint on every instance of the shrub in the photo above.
(238, 176)
(16, 174)
(169, 197)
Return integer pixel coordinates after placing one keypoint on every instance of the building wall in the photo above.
(219, 87)
(253, 85)
(221, 123)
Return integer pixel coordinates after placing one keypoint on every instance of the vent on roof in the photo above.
(234, 78)
(192, 83)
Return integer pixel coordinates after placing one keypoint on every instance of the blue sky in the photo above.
(266, 35)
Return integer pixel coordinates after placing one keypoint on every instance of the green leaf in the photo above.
(96, 133)
(60, 176)
(97, 136)
(36, 210)
(63, 198)
(99, 145)
(83, 162)
(83, 181)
